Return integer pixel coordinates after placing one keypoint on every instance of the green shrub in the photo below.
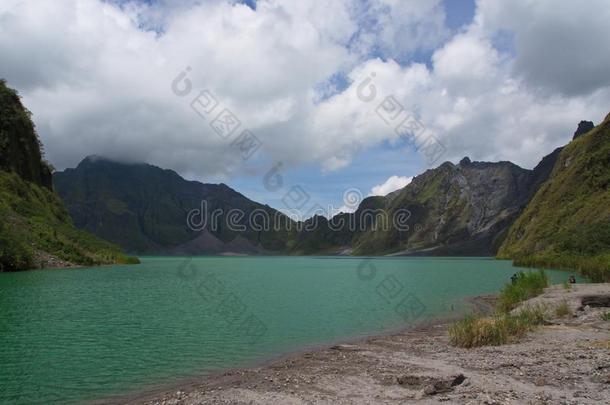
(606, 316)
(128, 260)
(526, 286)
(15, 254)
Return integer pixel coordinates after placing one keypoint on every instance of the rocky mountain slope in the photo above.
(461, 210)
(567, 223)
(35, 228)
(145, 209)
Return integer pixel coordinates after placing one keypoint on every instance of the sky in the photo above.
(335, 99)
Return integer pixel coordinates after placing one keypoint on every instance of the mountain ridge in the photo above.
(101, 185)
(463, 209)
(144, 208)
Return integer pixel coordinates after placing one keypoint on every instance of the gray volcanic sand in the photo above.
(564, 362)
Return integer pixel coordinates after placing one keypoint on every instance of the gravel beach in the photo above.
(566, 361)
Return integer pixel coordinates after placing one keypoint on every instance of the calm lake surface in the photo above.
(81, 334)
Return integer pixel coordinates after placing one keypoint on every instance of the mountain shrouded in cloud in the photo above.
(98, 77)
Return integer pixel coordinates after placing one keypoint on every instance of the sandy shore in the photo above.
(564, 362)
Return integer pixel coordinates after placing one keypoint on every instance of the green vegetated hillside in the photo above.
(567, 223)
(144, 209)
(35, 228)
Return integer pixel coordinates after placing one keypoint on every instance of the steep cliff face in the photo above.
(20, 149)
(567, 222)
(35, 228)
(144, 209)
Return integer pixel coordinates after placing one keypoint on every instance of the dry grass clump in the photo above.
(563, 310)
(473, 331)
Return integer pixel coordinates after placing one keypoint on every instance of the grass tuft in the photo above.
(526, 286)
(606, 316)
(500, 329)
(563, 310)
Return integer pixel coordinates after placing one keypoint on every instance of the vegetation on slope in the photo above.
(35, 229)
(20, 148)
(35, 225)
(567, 223)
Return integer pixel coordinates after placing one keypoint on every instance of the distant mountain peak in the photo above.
(465, 161)
(145, 209)
(94, 159)
(583, 128)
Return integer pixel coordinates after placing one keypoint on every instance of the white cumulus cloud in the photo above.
(391, 184)
(97, 77)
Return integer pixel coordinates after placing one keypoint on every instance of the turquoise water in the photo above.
(79, 334)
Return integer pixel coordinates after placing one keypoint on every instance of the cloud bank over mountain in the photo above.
(98, 76)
